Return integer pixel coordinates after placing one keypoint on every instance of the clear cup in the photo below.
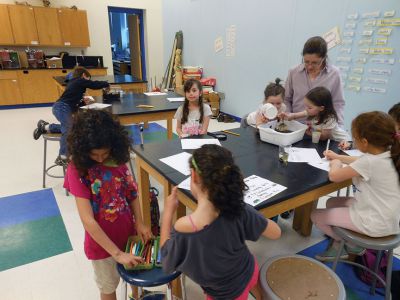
(315, 136)
(284, 153)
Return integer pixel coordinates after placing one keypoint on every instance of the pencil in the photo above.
(144, 106)
(327, 144)
(231, 132)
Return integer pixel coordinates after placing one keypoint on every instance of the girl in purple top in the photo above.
(209, 244)
(314, 71)
(105, 194)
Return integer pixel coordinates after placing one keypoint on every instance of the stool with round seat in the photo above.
(149, 278)
(54, 137)
(387, 243)
(298, 277)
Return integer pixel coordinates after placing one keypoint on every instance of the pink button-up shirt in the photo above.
(298, 83)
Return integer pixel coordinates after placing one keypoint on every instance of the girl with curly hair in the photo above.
(105, 194)
(209, 245)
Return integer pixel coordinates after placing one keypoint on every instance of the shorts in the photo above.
(106, 275)
(252, 283)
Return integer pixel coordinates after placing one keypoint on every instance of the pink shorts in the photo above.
(253, 281)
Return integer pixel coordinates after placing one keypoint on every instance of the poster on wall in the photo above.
(218, 44)
(332, 37)
(231, 41)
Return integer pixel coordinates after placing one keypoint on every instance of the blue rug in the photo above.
(355, 288)
(154, 133)
(31, 229)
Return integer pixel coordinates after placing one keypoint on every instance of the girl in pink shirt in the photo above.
(105, 194)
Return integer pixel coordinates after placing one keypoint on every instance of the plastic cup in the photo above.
(269, 111)
(315, 136)
(284, 153)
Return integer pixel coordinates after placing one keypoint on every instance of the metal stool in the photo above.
(299, 277)
(149, 278)
(50, 137)
(380, 244)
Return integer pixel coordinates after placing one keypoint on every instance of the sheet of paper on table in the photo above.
(185, 184)
(176, 99)
(260, 189)
(308, 155)
(96, 106)
(353, 152)
(154, 93)
(179, 162)
(197, 143)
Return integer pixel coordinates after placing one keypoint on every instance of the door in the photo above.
(23, 25)
(9, 88)
(134, 45)
(48, 26)
(74, 27)
(6, 36)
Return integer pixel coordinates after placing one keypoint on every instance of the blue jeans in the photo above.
(63, 113)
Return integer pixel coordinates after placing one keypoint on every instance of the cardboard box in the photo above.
(54, 62)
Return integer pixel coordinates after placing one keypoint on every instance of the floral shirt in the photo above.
(110, 189)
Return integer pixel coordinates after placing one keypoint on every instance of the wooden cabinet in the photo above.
(38, 86)
(48, 27)
(6, 36)
(74, 27)
(23, 25)
(9, 88)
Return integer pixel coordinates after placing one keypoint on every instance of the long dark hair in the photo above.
(321, 96)
(274, 89)
(394, 112)
(221, 177)
(379, 129)
(97, 129)
(316, 45)
(186, 88)
(79, 71)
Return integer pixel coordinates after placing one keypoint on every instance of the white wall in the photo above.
(99, 30)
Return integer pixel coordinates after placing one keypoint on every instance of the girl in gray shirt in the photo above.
(209, 245)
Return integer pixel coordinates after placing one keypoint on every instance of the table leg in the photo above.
(146, 124)
(169, 129)
(144, 192)
(302, 221)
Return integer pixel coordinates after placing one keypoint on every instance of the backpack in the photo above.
(154, 212)
(368, 260)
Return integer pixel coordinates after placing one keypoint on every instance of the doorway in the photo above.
(127, 41)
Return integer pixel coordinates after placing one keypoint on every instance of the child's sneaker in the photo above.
(330, 254)
(355, 250)
(63, 162)
(40, 129)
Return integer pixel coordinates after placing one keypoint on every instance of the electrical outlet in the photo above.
(221, 95)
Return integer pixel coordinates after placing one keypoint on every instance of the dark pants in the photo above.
(63, 113)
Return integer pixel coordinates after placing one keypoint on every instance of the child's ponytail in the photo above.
(274, 89)
(221, 177)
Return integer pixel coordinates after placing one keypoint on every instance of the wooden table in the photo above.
(305, 184)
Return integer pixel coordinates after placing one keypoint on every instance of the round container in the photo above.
(269, 111)
(298, 277)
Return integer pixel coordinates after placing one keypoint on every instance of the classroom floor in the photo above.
(64, 272)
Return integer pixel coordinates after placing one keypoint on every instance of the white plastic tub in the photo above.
(269, 135)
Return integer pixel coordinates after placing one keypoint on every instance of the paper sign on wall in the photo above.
(332, 37)
(231, 41)
(218, 44)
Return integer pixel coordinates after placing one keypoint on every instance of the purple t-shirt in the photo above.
(110, 190)
(298, 83)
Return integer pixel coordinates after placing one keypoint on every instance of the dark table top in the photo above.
(126, 105)
(111, 79)
(254, 157)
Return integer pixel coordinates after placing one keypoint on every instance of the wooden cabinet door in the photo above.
(9, 88)
(38, 86)
(23, 25)
(6, 36)
(74, 27)
(48, 27)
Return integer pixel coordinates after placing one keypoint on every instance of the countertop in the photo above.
(112, 79)
(22, 69)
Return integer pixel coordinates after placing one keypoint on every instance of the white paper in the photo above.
(308, 155)
(185, 184)
(176, 99)
(230, 41)
(197, 143)
(353, 152)
(154, 93)
(96, 106)
(332, 37)
(179, 162)
(260, 189)
(323, 165)
(218, 44)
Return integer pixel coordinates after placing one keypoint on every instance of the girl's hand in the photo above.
(171, 203)
(128, 259)
(283, 116)
(143, 231)
(335, 163)
(330, 155)
(202, 131)
(88, 99)
(344, 145)
(261, 119)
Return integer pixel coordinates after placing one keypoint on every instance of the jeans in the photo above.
(63, 113)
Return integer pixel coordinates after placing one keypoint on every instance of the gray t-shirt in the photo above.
(216, 257)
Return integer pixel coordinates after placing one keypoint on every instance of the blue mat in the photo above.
(154, 133)
(355, 288)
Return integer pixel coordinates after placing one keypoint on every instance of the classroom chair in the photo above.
(149, 278)
(299, 277)
(387, 243)
(53, 137)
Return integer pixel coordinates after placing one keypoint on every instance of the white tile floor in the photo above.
(69, 275)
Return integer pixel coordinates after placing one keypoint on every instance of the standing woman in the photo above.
(314, 71)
